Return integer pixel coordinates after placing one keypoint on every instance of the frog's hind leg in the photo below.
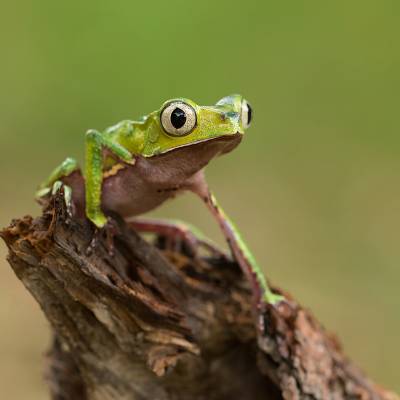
(54, 182)
(177, 234)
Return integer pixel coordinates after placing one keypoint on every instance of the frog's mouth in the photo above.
(185, 160)
(226, 142)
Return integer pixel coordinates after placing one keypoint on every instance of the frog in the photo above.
(134, 166)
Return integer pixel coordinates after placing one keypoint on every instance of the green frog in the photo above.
(135, 166)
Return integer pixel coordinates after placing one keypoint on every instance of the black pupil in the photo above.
(178, 118)
(249, 114)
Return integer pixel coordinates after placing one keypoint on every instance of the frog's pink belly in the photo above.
(126, 193)
(130, 200)
(134, 190)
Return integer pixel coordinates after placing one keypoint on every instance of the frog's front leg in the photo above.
(96, 142)
(67, 167)
(177, 232)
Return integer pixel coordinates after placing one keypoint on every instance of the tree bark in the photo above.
(149, 322)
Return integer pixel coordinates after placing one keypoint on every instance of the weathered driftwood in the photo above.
(155, 323)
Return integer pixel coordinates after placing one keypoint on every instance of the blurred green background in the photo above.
(314, 186)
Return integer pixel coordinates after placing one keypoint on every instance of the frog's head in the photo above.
(181, 123)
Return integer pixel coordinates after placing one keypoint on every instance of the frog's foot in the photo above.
(52, 184)
(58, 187)
(269, 299)
(178, 235)
(107, 231)
(273, 298)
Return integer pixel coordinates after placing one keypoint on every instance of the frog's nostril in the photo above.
(232, 115)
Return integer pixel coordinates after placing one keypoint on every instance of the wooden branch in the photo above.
(151, 323)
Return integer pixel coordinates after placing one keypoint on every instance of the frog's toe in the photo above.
(59, 186)
(104, 234)
(98, 218)
(273, 299)
(68, 199)
(42, 192)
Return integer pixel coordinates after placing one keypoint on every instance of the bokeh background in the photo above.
(314, 186)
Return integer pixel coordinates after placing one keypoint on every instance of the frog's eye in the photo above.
(247, 114)
(178, 118)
